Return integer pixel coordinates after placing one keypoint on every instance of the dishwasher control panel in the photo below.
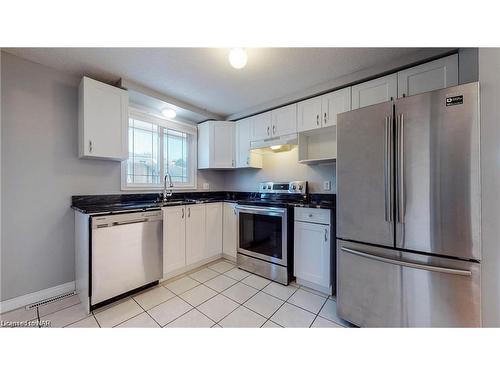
(125, 218)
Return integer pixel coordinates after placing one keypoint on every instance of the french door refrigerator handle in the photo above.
(424, 267)
(388, 169)
(400, 169)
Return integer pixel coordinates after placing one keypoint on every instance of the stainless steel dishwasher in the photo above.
(127, 253)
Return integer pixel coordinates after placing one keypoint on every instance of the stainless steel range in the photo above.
(265, 230)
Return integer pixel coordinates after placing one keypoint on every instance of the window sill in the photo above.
(156, 189)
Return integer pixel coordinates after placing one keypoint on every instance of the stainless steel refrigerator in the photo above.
(408, 211)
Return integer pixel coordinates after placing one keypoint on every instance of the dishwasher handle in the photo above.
(126, 222)
(125, 219)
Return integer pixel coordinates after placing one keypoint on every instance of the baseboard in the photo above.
(229, 257)
(21, 301)
(310, 285)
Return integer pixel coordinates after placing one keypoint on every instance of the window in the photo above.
(157, 147)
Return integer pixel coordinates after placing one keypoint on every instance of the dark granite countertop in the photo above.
(117, 203)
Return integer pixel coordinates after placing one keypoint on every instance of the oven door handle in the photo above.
(260, 210)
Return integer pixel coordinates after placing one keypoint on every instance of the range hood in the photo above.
(274, 143)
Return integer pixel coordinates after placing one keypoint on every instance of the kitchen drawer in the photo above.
(313, 215)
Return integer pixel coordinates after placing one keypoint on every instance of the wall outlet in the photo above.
(327, 185)
(206, 186)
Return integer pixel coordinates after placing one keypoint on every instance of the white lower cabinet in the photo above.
(229, 242)
(213, 231)
(191, 234)
(174, 239)
(312, 250)
(195, 233)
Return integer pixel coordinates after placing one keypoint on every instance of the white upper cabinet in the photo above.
(261, 126)
(246, 158)
(284, 120)
(309, 114)
(434, 75)
(275, 123)
(322, 111)
(216, 145)
(102, 121)
(213, 231)
(375, 91)
(334, 103)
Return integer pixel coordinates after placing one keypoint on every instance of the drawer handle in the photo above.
(310, 215)
(326, 235)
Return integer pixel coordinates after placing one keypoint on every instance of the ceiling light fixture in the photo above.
(238, 58)
(169, 113)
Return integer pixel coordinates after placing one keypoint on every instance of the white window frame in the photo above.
(192, 153)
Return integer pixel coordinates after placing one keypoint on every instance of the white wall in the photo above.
(282, 166)
(40, 171)
(489, 78)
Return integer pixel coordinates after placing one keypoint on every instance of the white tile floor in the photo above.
(217, 295)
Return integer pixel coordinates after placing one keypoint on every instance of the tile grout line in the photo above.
(285, 301)
(193, 308)
(321, 308)
(126, 320)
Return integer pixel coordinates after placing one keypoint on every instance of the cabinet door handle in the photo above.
(274, 129)
(182, 212)
(90, 146)
(325, 118)
(317, 120)
(248, 160)
(189, 211)
(268, 130)
(326, 235)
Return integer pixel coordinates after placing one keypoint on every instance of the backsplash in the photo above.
(282, 166)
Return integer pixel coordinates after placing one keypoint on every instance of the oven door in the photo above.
(262, 233)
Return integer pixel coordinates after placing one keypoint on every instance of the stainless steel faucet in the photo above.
(167, 192)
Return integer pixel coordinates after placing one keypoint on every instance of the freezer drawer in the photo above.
(379, 287)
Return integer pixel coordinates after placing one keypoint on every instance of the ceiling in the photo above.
(203, 77)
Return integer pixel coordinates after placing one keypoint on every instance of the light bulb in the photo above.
(169, 113)
(238, 58)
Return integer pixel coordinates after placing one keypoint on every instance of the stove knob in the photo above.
(300, 187)
(294, 187)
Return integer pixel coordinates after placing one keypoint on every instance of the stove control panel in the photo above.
(292, 187)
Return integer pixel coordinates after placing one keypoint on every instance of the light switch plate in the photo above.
(327, 185)
(206, 185)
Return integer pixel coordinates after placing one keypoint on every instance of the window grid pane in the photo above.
(143, 166)
(155, 150)
(175, 160)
